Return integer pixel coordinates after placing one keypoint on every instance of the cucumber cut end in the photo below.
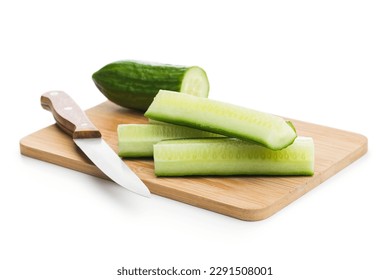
(195, 82)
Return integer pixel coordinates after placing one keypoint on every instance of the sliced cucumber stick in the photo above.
(229, 156)
(202, 113)
(136, 140)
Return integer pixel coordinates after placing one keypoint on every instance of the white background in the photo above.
(325, 62)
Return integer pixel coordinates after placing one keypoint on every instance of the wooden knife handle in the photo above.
(69, 115)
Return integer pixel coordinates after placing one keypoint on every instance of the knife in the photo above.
(72, 120)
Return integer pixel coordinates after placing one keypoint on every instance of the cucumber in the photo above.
(229, 156)
(218, 117)
(137, 140)
(134, 84)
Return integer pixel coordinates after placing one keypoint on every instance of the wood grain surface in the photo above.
(249, 198)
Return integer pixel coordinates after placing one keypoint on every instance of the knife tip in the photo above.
(143, 192)
(147, 195)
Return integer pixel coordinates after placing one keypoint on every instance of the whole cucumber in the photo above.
(134, 84)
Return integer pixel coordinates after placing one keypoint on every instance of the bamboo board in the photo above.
(249, 198)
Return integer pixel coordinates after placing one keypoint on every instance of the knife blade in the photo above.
(72, 120)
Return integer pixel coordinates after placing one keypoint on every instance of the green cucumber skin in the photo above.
(229, 156)
(137, 140)
(134, 84)
(222, 118)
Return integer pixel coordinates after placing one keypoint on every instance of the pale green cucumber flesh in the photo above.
(195, 82)
(202, 113)
(137, 140)
(134, 84)
(229, 156)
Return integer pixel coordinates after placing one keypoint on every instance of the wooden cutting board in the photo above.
(248, 198)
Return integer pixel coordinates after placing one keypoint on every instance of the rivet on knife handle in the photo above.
(69, 115)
